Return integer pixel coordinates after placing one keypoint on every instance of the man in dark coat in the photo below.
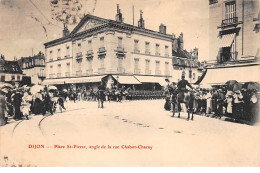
(182, 85)
(101, 94)
(17, 99)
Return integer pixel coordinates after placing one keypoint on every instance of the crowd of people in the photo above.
(218, 101)
(20, 102)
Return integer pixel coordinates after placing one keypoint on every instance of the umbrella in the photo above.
(235, 87)
(251, 86)
(52, 88)
(36, 88)
(5, 85)
(231, 82)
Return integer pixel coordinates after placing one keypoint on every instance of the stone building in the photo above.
(98, 47)
(34, 67)
(10, 71)
(184, 61)
(234, 42)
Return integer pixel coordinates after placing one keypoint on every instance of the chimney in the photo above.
(141, 20)
(181, 44)
(162, 29)
(119, 15)
(65, 31)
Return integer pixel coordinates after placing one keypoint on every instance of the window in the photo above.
(147, 48)
(102, 65)
(166, 50)
(37, 62)
(90, 64)
(79, 45)
(102, 41)
(67, 51)
(157, 67)
(41, 62)
(2, 78)
(58, 54)
(194, 76)
(18, 78)
(120, 42)
(157, 49)
(13, 77)
(59, 70)
(136, 63)
(230, 12)
(147, 66)
(136, 46)
(89, 44)
(51, 56)
(51, 70)
(167, 72)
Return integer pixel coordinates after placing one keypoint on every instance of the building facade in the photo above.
(10, 71)
(234, 30)
(99, 47)
(34, 67)
(184, 61)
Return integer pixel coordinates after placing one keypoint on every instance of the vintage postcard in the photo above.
(129, 83)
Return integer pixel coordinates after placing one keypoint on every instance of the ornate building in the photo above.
(184, 61)
(98, 47)
(10, 71)
(34, 67)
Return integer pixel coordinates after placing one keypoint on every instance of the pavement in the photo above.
(131, 133)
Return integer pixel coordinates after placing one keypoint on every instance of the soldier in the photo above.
(182, 85)
(101, 94)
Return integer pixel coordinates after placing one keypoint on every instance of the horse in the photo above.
(186, 98)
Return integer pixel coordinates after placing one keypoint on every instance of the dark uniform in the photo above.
(101, 95)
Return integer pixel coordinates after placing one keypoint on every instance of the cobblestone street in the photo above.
(140, 133)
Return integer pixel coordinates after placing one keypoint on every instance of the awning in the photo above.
(126, 79)
(226, 40)
(90, 79)
(152, 79)
(218, 76)
(53, 81)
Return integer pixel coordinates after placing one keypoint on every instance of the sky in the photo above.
(25, 25)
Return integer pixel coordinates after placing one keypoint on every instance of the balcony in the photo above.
(67, 74)
(50, 59)
(89, 72)
(79, 73)
(79, 55)
(58, 75)
(157, 54)
(58, 58)
(67, 56)
(137, 71)
(101, 70)
(229, 22)
(157, 72)
(89, 54)
(121, 70)
(101, 50)
(213, 2)
(167, 55)
(41, 75)
(147, 71)
(51, 76)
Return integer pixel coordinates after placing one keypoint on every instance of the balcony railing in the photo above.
(147, 71)
(212, 1)
(79, 55)
(229, 21)
(137, 71)
(51, 75)
(89, 71)
(66, 56)
(58, 58)
(67, 74)
(58, 75)
(157, 54)
(121, 70)
(101, 70)
(78, 73)
(167, 55)
(90, 52)
(41, 75)
(157, 72)
(51, 59)
(101, 49)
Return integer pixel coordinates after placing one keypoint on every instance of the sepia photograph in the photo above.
(129, 83)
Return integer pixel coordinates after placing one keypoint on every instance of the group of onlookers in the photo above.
(19, 103)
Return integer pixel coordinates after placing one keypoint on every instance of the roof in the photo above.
(107, 23)
(10, 67)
